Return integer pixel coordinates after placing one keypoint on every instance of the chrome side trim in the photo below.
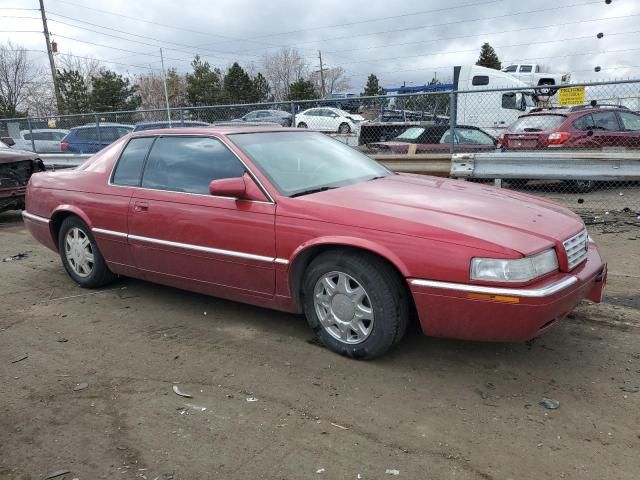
(109, 232)
(35, 218)
(514, 292)
(199, 248)
(189, 246)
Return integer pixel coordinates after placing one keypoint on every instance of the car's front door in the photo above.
(180, 233)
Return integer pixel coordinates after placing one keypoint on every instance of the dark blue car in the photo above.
(92, 138)
(166, 124)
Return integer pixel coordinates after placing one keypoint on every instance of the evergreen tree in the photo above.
(372, 87)
(204, 85)
(74, 92)
(302, 90)
(488, 57)
(175, 88)
(9, 111)
(261, 88)
(238, 87)
(112, 92)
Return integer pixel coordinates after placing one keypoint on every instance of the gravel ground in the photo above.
(431, 409)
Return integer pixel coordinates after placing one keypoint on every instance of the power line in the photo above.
(446, 24)
(131, 34)
(209, 34)
(495, 47)
(456, 37)
(378, 19)
(440, 67)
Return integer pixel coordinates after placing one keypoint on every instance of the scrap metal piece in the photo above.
(177, 391)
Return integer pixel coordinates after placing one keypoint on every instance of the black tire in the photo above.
(344, 128)
(581, 186)
(302, 125)
(384, 288)
(99, 273)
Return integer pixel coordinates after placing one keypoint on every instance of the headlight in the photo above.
(521, 270)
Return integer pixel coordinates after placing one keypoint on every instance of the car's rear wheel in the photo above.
(302, 125)
(344, 128)
(355, 302)
(80, 254)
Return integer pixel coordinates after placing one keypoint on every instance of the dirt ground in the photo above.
(431, 409)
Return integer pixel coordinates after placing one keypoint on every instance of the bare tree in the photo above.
(87, 67)
(335, 80)
(17, 73)
(40, 99)
(281, 69)
(151, 90)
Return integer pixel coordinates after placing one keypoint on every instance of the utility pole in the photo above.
(164, 82)
(54, 77)
(321, 73)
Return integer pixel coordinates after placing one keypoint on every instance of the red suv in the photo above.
(576, 127)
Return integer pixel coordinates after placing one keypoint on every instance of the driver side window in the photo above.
(189, 164)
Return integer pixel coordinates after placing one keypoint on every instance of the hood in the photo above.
(446, 210)
(357, 118)
(9, 155)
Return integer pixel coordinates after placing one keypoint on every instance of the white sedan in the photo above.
(45, 140)
(329, 120)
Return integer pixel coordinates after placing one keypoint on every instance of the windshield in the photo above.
(410, 133)
(537, 123)
(297, 162)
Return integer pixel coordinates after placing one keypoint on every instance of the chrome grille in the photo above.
(576, 248)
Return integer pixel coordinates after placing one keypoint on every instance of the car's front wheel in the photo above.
(344, 128)
(355, 302)
(302, 125)
(80, 254)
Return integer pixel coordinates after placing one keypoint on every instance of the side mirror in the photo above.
(228, 187)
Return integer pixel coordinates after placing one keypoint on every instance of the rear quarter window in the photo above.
(129, 168)
(537, 123)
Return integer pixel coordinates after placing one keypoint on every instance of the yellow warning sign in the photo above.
(51, 123)
(571, 96)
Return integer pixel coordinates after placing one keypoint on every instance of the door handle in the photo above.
(140, 207)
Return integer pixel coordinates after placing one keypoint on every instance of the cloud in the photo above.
(398, 41)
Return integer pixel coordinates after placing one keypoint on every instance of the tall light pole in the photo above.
(164, 83)
(52, 63)
(321, 73)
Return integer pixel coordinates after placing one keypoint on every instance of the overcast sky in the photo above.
(399, 41)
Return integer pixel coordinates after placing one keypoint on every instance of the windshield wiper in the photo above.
(311, 190)
(376, 178)
(532, 129)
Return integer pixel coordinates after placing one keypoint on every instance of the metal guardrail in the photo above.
(62, 160)
(426, 164)
(436, 164)
(546, 165)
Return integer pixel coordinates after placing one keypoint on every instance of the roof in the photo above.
(103, 124)
(216, 130)
(173, 122)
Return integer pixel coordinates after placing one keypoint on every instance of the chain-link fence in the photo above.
(578, 144)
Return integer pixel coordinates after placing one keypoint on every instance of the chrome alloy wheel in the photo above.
(343, 307)
(78, 251)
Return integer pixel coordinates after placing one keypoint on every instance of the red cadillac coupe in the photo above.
(296, 221)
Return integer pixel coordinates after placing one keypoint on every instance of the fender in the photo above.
(291, 282)
(355, 242)
(62, 209)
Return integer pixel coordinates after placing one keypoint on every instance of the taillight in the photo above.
(64, 146)
(558, 138)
